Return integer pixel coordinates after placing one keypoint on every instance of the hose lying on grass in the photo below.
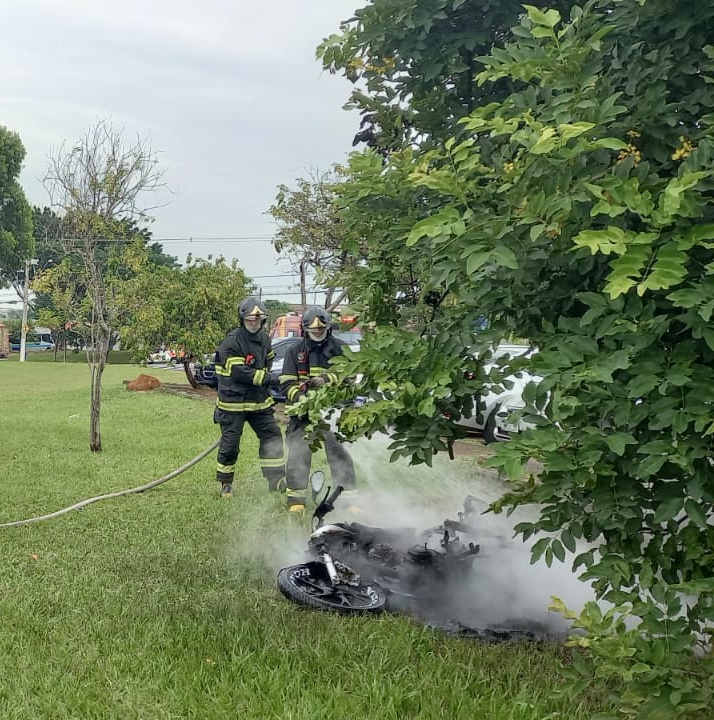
(141, 488)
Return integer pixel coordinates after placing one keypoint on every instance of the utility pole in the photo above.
(303, 290)
(25, 303)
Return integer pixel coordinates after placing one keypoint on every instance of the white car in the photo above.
(493, 411)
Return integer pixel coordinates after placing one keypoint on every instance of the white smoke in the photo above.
(503, 590)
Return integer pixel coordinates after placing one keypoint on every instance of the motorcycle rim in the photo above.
(309, 584)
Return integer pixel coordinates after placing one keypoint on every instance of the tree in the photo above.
(99, 184)
(191, 308)
(277, 307)
(16, 243)
(310, 233)
(413, 64)
(575, 209)
(60, 295)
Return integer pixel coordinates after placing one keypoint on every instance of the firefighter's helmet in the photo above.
(316, 323)
(253, 308)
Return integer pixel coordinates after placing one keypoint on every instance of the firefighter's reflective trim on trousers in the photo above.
(244, 406)
(225, 469)
(277, 462)
(259, 376)
(295, 495)
(230, 362)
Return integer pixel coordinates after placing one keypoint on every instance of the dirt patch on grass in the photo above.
(200, 393)
(472, 447)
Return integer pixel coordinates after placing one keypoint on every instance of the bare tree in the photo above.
(310, 233)
(98, 184)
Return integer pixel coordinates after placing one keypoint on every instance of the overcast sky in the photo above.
(229, 92)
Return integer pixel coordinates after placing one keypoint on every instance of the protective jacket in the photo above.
(243, 361)
(308, 359)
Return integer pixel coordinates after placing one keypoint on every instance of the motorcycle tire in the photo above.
(309, 584)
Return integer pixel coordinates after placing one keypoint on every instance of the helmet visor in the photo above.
(317, 329)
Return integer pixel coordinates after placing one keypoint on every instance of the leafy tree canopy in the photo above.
(573, 207)
(191, 308)
(310, 233)
(16, 242)
(413, 64)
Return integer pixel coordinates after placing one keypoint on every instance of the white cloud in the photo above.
(228, 91)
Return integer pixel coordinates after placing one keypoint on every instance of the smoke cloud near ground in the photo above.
(503, 589)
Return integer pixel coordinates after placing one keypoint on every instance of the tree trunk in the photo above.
(97, 358)
(95, 435)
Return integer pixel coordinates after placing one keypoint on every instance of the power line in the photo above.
(290, 275)
(237, 239)
(296, 292)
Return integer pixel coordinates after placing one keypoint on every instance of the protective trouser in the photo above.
(300, 460)
(272, 458)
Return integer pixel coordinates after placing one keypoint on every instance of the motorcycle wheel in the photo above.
(309, 584)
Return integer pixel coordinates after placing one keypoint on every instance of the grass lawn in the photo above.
(163, 605)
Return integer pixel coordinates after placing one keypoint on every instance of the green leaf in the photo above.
(697, 233)
(558, 549)
(427, 407)
(695, 513)
(688, 297)
(609, 143)
(536, 231)
(539, 31)
(441, 223)
(668, 509)
(671, 200)
(568, 540)
(546, 142)
(669, 269)
(611, 240)
(618, 441)
(476, 260)
(627, 270)
(505, 256)
(550, 18)
(642, 385)
(571, 130)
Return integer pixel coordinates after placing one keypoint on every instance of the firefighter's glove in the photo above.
(316, 382)
(271, 380)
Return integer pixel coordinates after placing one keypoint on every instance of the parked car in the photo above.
(33, 345)
(493, 412)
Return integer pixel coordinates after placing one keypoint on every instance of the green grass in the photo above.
(163, 605)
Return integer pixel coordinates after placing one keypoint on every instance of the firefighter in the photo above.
(243, 363)
(305, 368)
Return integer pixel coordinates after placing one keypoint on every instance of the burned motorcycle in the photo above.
(355, 568)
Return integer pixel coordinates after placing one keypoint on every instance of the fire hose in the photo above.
(107, 496)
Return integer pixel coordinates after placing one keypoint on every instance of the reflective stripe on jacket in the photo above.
(308, 359)
(242, 361)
